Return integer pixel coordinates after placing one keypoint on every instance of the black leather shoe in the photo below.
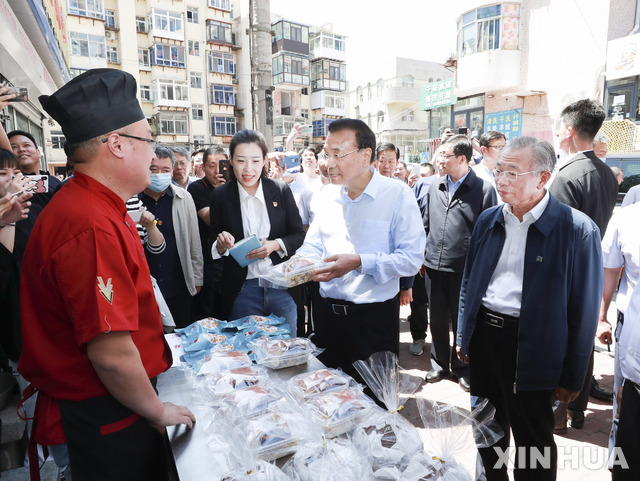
(577, 419)
(463, 382)
(435, 375)
(599, 392)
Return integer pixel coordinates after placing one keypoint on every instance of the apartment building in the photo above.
(390, 104)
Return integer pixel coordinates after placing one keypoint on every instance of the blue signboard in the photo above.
(508, 122)
(424, 157)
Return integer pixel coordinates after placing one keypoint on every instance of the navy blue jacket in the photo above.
(561, 292)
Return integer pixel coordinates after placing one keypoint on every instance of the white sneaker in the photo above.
(416, 347)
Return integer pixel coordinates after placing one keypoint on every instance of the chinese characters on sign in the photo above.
(437, 94)
(508, 122)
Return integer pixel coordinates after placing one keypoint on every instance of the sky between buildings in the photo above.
(379, 30)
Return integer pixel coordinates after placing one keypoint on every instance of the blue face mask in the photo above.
(160, 182)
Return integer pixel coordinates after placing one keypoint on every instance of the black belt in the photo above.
(495, 319)
(341, 307)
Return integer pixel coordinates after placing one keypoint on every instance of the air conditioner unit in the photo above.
(234, 81)
(109, 35)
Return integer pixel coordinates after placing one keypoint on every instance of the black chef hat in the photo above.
(98, 101)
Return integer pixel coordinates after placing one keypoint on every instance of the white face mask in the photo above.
(160, 182)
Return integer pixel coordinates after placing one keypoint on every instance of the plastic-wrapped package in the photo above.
(453, 433)
(261, 471)
(208, 324)
(388, 438)
(291, 273)
(312, 383)
(279, 431)
(223, 382)
(281, 353)
(249, 402)
(255, 320)
(424, 467)
(223, 361)
(338, 411)
(330, 460)
(206, 340)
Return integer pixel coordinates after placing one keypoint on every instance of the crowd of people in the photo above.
(491, 240)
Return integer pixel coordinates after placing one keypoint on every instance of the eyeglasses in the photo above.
(442, 155)
(509, 175)
(151, 141)
(325, 157)
(497, 147)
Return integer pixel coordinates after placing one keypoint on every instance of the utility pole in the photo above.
(261, 72)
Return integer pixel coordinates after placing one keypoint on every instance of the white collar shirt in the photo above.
(452, 186)
(255, 220)
(504, 293)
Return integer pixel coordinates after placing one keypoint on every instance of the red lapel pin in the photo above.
(275, 204)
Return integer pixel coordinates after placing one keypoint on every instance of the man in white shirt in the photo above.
(369, 230)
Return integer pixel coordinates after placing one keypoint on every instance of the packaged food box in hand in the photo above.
(291, 273)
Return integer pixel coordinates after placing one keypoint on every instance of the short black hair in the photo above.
(24, 133)
(387, 146)
(585, 116)
(196, 152)
(461, 145)
(365, 137)
(486, 138)
(430, 167)
(8, 159)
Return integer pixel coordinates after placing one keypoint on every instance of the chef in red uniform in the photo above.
(92, 333)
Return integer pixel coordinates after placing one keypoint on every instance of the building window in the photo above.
(482, 29)
(290, 69)
(195, 80)
(74, 72)
(194, 48)
(220, 4)
(145, 93)
(192, 15)
(57, 139)
(407, 81)
(87, 8)
(218, 32)
(143, 57)
(222, 95)
(197, 112)
(112, 54)
(407, 116)
(141, 24)
(291, 31)
(173, 124)
(198, 141)
(109, 19)
(173, 90)
(221, 62)
(85, 45)
(166, 21)
(380, 117)
(380, 86)
(334, 101)
(167, 55)
(223, 125)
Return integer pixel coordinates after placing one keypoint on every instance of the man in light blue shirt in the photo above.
(369, 231)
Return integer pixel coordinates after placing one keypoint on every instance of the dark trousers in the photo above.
(203, 303)
(580, 403)
(180, 306)
(528, 414)
(346, 338)
(107, 441)
(628, 437)
(299, 296)
(418, 320)
(443, 294)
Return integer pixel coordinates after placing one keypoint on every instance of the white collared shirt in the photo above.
(452, 186)
(255, 220)
(504, 293)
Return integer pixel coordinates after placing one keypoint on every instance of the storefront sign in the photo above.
(437, 94)
(508, 122)
(623, 57)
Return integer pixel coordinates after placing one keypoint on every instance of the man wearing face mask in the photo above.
(177, 268)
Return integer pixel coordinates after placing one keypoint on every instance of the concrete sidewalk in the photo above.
(582, 454)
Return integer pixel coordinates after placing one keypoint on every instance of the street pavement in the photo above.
(582, 453)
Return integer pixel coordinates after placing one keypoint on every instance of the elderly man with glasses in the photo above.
(529, 306)
(369, 232)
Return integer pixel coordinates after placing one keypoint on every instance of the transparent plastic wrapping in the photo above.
(279, 431)
(388, 438)
(223, 361)
(291, 273)
(338, 411)
(281, 353)
(330, 460)
(309, 384)
(452, 433)
(249, 402)
(224, 382)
